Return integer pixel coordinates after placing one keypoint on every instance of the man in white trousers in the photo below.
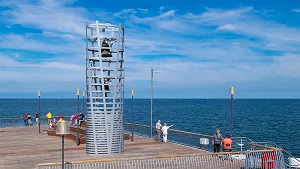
(164, 130)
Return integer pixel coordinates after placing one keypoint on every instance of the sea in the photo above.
(261, 120)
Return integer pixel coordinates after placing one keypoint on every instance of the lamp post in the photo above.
(83, 102)
(152, 73)
(132, 94)
(77, 133)
(62, 129)
(39, 95)
(232, 92)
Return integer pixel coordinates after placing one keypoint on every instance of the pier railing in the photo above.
(239, 144)
(264, 159)
(192, 139)
(175, 136)
(15, 122)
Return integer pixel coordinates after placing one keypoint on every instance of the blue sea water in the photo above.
(262, 120)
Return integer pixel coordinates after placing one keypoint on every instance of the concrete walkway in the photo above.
(24, 148)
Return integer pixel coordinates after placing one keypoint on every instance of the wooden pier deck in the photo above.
(24, 148)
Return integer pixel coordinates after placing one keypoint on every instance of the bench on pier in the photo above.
(73, 133)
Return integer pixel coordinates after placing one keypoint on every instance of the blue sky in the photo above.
(202, 47)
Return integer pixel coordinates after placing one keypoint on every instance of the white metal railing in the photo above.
(238, 143)
(266, 159)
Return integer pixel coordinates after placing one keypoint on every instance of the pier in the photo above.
(24, 148)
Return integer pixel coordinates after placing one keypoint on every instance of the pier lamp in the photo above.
(39, 95)
(132, 94)
(83, 102)
(152, 75)
(62, 129)
(77, 133)
(232, 92)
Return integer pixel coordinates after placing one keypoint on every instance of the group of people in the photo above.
(74, 119)
(218, 142)
(164, 129)
(28, 119)
(217, 139)
(51, 122)
(77, 119)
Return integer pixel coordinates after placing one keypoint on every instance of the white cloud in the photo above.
(219, 16)
(47, 15)
(169, 13)
(37, 42)
(229, 27)
(287, 65)
(296, 10)
(10, 62)
(124, 13)
(161, 9)
(144, 10)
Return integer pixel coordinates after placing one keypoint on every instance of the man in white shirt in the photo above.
(164, 130)
(157, 131)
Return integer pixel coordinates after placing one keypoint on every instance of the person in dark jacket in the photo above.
(217, 141)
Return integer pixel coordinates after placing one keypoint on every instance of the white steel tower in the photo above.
(105, 86)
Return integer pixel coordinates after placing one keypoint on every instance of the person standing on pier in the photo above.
(29, 120)
(49, 116)
(217, 141)
(25, 119)
(157, 131)
(164, 130)
(37, 118)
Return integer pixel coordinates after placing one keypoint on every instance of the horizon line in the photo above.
(158, 98)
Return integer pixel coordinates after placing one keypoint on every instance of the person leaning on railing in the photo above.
(164, 130)
(25, 119)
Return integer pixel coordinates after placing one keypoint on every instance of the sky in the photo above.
(202, 48)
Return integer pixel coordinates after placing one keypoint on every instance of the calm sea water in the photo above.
(261, 120)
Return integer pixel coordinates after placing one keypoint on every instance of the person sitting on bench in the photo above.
(51, 124)
(227, 144)
(81, 118)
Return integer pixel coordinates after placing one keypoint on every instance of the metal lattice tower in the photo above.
(105, 96)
